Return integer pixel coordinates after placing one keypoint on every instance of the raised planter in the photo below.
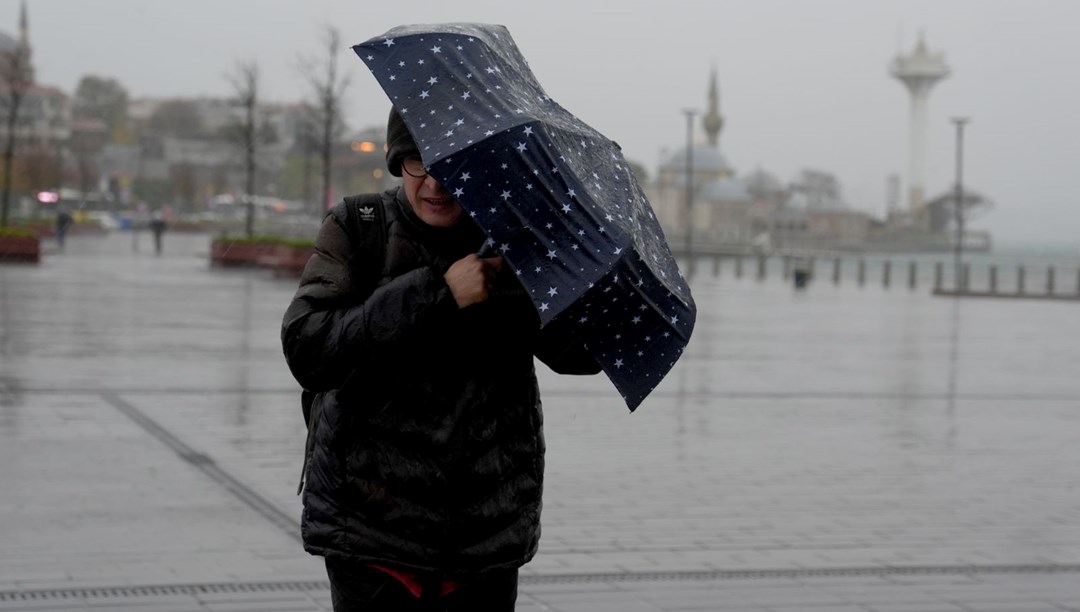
(229, 253)
(81, 228)
(19, 246)
(283, 256)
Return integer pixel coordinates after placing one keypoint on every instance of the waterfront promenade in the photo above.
(837, 449)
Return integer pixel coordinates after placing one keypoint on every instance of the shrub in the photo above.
(267, 239)
(15, 232)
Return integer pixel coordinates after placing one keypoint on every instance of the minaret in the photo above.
(24, 41)
(919, 71)
(713, 121)
(24, 25)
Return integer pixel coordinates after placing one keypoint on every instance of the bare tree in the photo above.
(15, 81)
(329, 88)
(245, 82)
(306, 139)
(39, 168)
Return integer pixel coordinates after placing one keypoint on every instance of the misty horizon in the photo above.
(802, 85)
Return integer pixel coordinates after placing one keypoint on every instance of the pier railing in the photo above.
(984, 278)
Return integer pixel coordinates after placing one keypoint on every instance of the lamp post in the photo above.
(959, 196)
(690, 114)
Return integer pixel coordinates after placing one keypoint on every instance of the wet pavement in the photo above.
(839, 449)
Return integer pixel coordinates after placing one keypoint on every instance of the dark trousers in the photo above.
(358, 588)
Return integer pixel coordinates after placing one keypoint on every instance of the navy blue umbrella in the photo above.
(555, 197)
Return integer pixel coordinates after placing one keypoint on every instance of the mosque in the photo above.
(756, 211)
(721, 200)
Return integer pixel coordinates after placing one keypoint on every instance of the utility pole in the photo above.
(959, 212)
(690, 114)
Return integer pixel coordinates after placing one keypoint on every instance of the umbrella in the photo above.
(555, 197)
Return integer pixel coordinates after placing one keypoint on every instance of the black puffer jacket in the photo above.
(428, 451)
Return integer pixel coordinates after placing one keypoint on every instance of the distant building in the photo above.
(42, 129)
(721, 201)
(184, 157)
(838, 229)
(756, 211)
(44, 115)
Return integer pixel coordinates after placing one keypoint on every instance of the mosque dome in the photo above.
(705, 160)
(727, 189)
(763, 183)
(712, 172)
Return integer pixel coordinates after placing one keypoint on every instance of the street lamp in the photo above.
(959, 196)
(690, 114)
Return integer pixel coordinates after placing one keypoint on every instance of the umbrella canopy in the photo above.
(555, 197)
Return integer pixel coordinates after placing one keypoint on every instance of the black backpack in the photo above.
(364, 217)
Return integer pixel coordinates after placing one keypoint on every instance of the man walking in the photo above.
(63, 222)
(425, 460)
(157, 226)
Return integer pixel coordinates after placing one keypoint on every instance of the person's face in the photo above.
(433, 204)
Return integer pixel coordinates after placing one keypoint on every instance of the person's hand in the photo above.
(471, 277)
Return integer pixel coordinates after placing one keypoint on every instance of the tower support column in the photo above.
(919, 71)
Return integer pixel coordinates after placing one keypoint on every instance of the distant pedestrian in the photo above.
(157, 225)
(63, 222)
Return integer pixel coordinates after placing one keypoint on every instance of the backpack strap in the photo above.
(364, 219)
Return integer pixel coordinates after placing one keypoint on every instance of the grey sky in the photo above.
(803, 83)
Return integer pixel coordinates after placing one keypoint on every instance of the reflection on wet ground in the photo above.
(850, 447)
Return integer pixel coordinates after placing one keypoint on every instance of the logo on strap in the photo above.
(367, 213)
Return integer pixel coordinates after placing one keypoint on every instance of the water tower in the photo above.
(919, 71)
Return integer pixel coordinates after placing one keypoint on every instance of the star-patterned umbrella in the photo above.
(555, 197)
